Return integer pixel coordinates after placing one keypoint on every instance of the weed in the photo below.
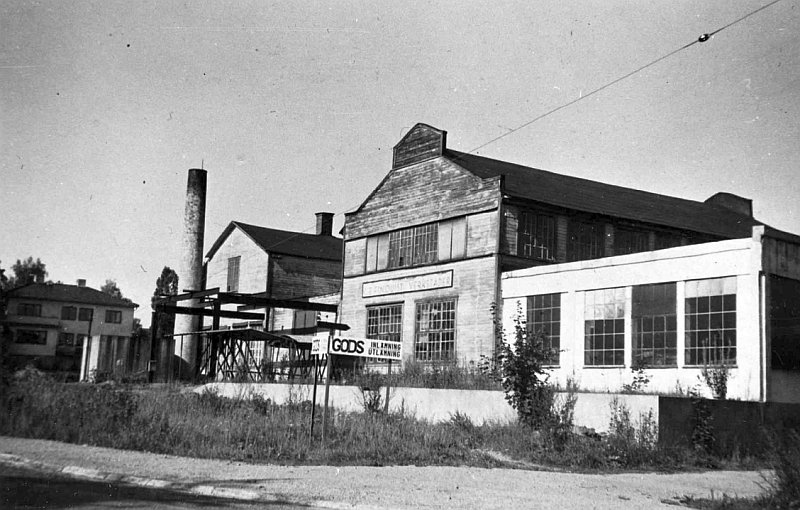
(640, 378)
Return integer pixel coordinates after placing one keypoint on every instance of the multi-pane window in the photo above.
(385, 322)
(654, 325)
(114, 316)
(69, 313)
(585, 240)
(544, 318)
(304, 319)
(66, 339)
(435, 338)
(233, 274)
(537, 236)
(711, 322)
(30, 336)
(667, 240)
(604, 323)
(628, 240)
(85, 314)
(29, 309)
(413, 246)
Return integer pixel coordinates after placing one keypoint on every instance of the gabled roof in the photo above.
(605, 199)
(284, 242)
(68, 293)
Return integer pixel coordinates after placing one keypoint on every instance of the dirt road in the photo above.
(393, 486)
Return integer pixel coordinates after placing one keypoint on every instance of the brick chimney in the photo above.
(81, 282)
(324, 224)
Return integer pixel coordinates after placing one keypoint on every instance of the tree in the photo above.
(111, 288)
(3, 279)
(166, 285)
(27, 271)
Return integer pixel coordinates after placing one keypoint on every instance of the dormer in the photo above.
(420, 143)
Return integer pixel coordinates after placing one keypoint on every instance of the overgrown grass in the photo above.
(172, 421)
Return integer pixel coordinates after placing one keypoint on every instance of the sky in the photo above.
(294, 107)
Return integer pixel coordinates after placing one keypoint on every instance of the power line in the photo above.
(701, 39)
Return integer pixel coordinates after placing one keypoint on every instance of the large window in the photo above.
(85, 314)
(711, 322)
(385, 322)
(537, 236)
(654, 325)
(69, 313)
(413, 246)
(628, 240)
(233, 274)
(114, 316)
(29, 309)
(435, 338)
(30, 336)
(604, 323)
(586, 240)
(424, 244)
(544, 318)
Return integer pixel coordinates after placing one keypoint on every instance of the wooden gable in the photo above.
(420, 143)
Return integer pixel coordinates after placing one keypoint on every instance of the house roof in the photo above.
(68, 293)
(609, 200)
(285, 242)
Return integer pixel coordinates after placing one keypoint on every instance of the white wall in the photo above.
(739, 259)
(591, 410)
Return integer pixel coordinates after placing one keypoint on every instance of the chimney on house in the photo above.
(732, 202)
(324, 224)
(81, 282)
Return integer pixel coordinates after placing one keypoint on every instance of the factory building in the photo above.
(436, 246)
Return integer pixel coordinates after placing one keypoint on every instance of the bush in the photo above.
(522, 365)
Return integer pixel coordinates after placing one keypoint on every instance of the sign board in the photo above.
(428, 281)
(366, 348)
(319, 345)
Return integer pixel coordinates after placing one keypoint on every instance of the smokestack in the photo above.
(324, 224)
(191, 270)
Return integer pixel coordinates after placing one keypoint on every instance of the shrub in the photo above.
(522, 365)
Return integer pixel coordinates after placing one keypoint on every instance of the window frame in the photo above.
(82, 314)
(439, 355)
(111, 315)
(69, 313)
(646, 327)
(537, 231)
(599, 325)
(548, 310)
(394, 312)
(29, 309)
(413, 246)
(39, 333)
(701, 321)
(234, 268)
(585, 239)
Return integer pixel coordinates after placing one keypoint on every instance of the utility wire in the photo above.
(701, 39)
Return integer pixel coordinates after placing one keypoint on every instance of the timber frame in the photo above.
(227, 353)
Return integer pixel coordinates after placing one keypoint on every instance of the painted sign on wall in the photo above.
(428, 281)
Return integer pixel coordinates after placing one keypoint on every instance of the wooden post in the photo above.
(151, 368)
(328, 368)
(314, 398)
(388, 384)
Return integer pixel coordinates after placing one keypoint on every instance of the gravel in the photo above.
(394, 486)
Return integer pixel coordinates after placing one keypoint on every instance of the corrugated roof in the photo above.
(286, 243)
(609, 200)
(68, 293)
